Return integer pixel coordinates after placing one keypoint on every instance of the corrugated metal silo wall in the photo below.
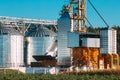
(11, 53)
(16, 50)
(38, 46)
(108, 41)
(63, 50)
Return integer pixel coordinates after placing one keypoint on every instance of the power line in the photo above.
(98, 13)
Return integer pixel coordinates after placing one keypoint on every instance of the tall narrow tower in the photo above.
(78, 15)
(73, 20)
(64, 25)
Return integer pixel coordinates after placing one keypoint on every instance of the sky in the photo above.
(50, 9)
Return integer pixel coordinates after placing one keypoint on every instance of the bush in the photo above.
(94, 75)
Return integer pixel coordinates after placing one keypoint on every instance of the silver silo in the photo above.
(11, 47)
(39, 43)
(64, 25)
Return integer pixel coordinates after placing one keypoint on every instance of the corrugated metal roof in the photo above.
(8, 31)
(41, 32)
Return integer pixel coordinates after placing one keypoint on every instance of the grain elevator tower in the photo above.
(78, 18)
(64, 25)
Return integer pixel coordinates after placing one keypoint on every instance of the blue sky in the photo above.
(50, 9)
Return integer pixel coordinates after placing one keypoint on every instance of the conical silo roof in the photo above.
(41, 32)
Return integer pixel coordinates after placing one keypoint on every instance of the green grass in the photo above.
(96, 75)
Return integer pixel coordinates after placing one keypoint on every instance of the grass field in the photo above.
(96, 75)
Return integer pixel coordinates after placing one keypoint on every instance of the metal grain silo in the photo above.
(39, 43)
(11, 47)
(108, 41)
(64, 25)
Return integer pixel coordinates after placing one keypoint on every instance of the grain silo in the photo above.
(64, 25)
(11, 47)
(108, 48)
(108, 41)
(39, 43)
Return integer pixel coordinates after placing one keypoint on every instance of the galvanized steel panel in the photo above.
(63, 50)
(73, 40)
(91, 42)
(108, 41)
